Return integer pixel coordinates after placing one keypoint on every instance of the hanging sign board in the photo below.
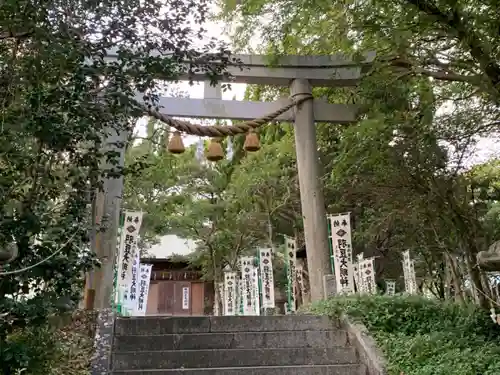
(185, 298)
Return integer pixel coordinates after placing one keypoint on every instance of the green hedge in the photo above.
(424, 337)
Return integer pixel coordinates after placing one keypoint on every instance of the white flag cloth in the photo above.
(342, 250)
(367, 279)
(230, 299)
(247, 276)
(291, 259)
(126, 256)
(266, 272)
(144, 282)
(409, 273)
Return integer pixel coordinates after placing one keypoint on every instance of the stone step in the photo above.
(233, 340)
(268, 370)
(205, 324)
(175, 359)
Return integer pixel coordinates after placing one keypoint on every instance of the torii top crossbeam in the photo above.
(325, 71)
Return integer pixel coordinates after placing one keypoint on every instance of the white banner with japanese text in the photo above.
(291, 273)
(367, 277)
(357, 273)
(409, 273)
(342, 251)
(144, 282)
(247, 276)
(130, 304)
(266, 272)
(126, 256)
(230, 299)
(186, 292)
(255, 291)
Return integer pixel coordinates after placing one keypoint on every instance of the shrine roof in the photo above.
(170, 263)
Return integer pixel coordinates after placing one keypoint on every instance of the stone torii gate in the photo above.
(300, 74)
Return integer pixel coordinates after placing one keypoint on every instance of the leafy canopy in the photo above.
(59, 98)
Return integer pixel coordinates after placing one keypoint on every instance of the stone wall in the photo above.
(101, 360)
(369, 353)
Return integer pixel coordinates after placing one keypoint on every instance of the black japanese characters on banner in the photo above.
(144, 282)
(368, 275)
(247, 270)
(133, 284)
(291, 255)
(341, 244)
(130, 232)
(266, 270)
(230, 292)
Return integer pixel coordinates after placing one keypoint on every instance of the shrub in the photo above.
(29, 351)
(60, 347)
(424, 337)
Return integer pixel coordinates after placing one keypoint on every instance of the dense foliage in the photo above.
(228, 208)
(419, 336)
(62, 345)
(402, 169)
(405, 170)
(59, 99)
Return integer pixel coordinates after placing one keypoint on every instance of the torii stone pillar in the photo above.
(311, 192)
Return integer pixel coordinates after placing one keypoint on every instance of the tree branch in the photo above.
(456, 22)
(18, 35)
(442, 75)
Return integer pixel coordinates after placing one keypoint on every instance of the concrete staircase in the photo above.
(268, 345)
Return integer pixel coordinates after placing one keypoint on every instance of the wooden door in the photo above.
(152, 305)
(197, 299)
(166, 300)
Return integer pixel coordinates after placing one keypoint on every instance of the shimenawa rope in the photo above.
(217, 130)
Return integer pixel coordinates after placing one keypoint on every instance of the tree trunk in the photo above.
(457, 281)
(486, 285)
(270, 232)
(475, 277)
